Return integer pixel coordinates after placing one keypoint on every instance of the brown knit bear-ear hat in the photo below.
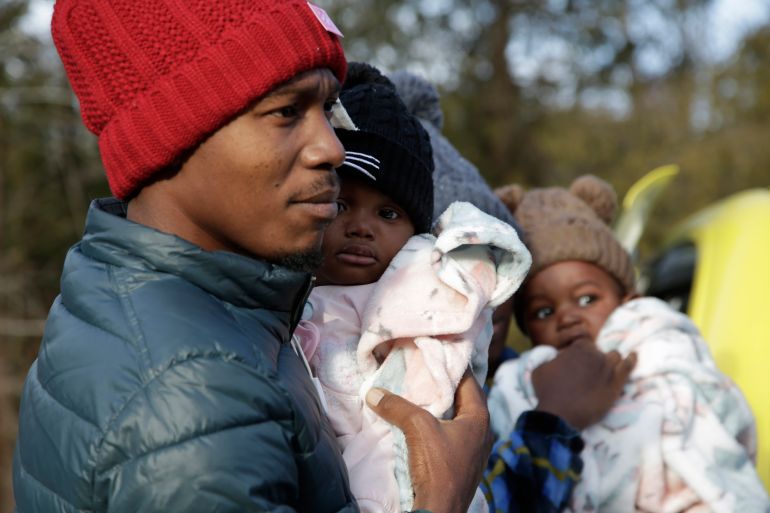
(574, 224)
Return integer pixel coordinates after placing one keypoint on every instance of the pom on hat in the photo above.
(570, 224)
(388, 146)
(598, 194)
(455, 178)
(156, 77)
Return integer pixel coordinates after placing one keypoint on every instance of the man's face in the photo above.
(569, 301)
(367, 233)
(263, 185)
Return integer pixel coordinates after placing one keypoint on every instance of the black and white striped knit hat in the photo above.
(385, 144)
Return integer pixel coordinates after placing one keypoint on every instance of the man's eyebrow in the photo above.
(302, 88)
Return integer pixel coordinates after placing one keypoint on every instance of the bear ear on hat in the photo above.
(511, 196)
(598, 194)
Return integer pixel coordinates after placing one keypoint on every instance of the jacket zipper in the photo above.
(295, 345)
(296, 314)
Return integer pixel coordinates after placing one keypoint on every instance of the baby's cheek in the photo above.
(540, 335)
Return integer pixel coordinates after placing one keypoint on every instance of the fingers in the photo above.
(623, 368)
(469, 398)
(471, 404)
(619, 370)
(630, 361)
(613, 359)
(394, 409)
(469, 401)
(620, 367)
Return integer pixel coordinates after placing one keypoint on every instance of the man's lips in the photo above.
(323, 204)
(325, 196)
(357, 254)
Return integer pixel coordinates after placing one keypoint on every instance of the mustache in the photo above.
(324, 183)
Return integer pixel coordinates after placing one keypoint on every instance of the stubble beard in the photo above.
(305, 261)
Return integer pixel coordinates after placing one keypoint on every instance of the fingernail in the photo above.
(374, 396)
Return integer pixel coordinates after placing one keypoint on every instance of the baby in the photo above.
(396, 307)
(682, 437)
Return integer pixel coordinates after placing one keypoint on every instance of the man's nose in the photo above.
(336, 150)
(326, 151)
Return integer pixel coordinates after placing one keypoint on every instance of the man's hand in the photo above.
(581, 384)
(446, 457)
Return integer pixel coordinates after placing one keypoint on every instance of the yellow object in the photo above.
(730, 296)
(638, 204)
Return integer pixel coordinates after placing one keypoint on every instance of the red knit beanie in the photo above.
(156, 77)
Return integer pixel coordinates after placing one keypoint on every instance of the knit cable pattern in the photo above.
(156, 77)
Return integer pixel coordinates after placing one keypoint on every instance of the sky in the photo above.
(730, 19)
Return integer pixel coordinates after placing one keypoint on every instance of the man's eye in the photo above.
(289, 111)
(329, 108)
(542, 313)
(329, 105)
(586, 299)
(389, 214)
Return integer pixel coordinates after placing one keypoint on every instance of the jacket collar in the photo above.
(236, 279)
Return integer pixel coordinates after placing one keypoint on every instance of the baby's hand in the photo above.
(581, 384)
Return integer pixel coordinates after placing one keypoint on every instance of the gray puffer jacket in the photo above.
(166, 383)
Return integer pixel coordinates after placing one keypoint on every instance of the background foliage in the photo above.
(533, 91)
(538, 92)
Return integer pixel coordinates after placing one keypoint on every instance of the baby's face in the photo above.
(368, 231)
(569, 301)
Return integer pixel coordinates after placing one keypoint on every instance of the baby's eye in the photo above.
(542, 313)
(341, 206)
(389, 214)
(586, 299)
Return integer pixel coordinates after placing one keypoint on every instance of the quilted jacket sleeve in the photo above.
(207, 434)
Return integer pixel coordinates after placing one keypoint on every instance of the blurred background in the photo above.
(533, 91)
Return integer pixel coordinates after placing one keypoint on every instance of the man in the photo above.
(167, 380)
